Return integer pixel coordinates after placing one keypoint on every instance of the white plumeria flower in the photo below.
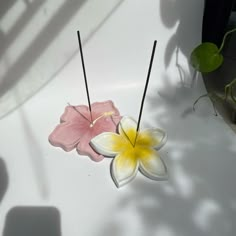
(133, 151)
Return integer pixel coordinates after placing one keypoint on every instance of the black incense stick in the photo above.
(85, 77)
(145, 89)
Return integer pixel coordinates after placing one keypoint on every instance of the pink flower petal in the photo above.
(105, 124)
(74, 114)
(83, 148)
(67, 135)
(98, 108)
(76, 130)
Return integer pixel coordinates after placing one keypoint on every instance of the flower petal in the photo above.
(127, 128)
(158, 136)
(106, 124)
(98, 108)
(107, 143)
(66, 136)
(83, 148)
(124, 168)
(74, 114)
(76, 130)
(153, 167)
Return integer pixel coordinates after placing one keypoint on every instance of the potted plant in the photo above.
(207, 58)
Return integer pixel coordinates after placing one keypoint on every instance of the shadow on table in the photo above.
(184, 14)
(3, 179)
(36, 154)
(32, 221)
(36, 48)
(199, 198)
(33, 51)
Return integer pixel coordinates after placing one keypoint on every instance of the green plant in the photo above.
(229, 90)
(207, 57)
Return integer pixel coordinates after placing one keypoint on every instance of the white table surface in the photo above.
(200, 196)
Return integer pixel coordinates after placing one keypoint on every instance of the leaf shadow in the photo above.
(199, 198)
(173, 13)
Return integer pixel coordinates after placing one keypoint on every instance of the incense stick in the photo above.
(145, 89)
(85, 77)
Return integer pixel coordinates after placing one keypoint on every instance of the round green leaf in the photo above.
(206, 57)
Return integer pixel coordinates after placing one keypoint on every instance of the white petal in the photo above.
(126, 124)
(104, 143)
(123, 169)
(153, 167)
(158, 134)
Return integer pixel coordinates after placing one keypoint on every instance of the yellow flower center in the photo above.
(134, 150)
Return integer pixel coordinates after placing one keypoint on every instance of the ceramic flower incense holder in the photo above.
(76, 128)
(133, 149)
(79, 124)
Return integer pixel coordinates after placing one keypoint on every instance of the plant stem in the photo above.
(231, 88)
(223, 41)
(209, 95)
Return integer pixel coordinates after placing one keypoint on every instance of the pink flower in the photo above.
(76, 129)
